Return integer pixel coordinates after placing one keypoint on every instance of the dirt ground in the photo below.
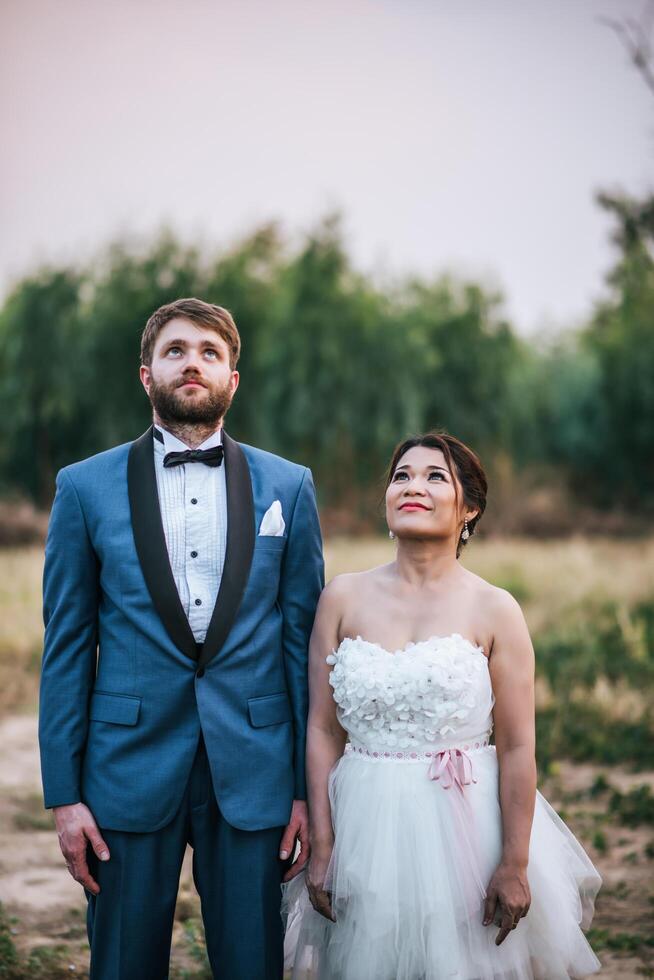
(44, 905)
(46, 908)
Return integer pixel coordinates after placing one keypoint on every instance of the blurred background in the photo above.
(422, 214)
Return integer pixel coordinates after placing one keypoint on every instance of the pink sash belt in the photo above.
(453, 767)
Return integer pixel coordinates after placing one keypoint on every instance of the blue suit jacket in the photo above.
(124, 689)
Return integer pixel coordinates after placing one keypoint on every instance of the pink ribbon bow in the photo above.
(455, 766)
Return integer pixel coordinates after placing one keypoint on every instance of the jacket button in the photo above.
(200, 672)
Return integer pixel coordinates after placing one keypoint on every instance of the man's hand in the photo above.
(76, 828)
(297, 828)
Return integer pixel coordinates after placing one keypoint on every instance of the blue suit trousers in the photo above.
(237, 874)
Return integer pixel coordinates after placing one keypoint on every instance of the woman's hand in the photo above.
(507, 899)
(316, 873)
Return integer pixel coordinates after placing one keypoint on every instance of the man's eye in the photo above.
(174, 351)
(212, 354)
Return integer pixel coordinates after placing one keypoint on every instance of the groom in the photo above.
(181, 578)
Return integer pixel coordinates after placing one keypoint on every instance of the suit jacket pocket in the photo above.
(270, 710)
(118, 709)
(269, 542)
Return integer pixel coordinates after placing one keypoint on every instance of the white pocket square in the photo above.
(273, 524)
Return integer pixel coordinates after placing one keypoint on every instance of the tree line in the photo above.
(336, 368)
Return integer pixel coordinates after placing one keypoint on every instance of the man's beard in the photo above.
(176, 409)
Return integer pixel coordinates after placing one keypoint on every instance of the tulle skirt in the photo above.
(408, 874)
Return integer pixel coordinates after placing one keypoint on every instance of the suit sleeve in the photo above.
(301, 582)
(70, 615)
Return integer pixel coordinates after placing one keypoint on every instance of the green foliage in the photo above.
(622, 338)
(333, 371)
(606, 643)
(326, 392)
(605, 640)
(42, 963)
(621, 942)
(621, 891)
(585, 404)
(557, 415)
(581, 732)
(599, 787)
(462, 355)
(194, 935)
(8, 954)
(335, 368)
(40, 336)
(633, 808)
(47, 963)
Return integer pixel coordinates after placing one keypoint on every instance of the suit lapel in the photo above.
(151, 544)
(239, 550)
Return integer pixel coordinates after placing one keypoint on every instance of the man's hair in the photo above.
(198, 312)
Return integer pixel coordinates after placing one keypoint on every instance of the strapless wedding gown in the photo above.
(418, 834)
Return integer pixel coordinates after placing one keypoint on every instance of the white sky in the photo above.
(461, 134)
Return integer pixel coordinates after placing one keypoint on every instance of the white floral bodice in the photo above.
(431, 694)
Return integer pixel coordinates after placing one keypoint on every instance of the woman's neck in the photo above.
(426, 562)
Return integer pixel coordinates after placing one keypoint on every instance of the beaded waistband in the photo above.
(408, 755)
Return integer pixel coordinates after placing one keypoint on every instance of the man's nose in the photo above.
(192, 361)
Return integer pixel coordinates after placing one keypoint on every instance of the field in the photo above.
(590, 607)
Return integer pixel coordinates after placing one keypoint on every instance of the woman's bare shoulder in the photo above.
(495, 604)
(491, 595)
(349, 585)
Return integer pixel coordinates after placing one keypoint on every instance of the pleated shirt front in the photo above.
(193, 503)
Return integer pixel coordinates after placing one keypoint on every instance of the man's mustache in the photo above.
(184, 381)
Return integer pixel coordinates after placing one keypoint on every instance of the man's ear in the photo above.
(145, 376)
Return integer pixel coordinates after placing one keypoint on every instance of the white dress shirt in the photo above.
(193, 503)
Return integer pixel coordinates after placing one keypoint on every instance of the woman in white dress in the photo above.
(432, 853)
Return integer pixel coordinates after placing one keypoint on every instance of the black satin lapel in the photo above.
(238, 553)
(151, 544)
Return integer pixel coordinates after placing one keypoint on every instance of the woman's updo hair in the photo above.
(464, 465)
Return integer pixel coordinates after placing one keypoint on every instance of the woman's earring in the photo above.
(465, 534)
(391, 535)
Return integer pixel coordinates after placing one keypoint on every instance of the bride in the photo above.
(432, 853)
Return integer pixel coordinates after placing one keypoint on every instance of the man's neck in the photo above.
(191, 434)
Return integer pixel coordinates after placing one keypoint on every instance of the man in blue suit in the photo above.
(181, 578)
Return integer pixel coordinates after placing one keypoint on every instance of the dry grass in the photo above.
(550, 578)
(21, 632)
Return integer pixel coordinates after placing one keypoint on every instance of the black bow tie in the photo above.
(211, 457)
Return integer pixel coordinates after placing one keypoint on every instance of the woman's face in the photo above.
(421, 501)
